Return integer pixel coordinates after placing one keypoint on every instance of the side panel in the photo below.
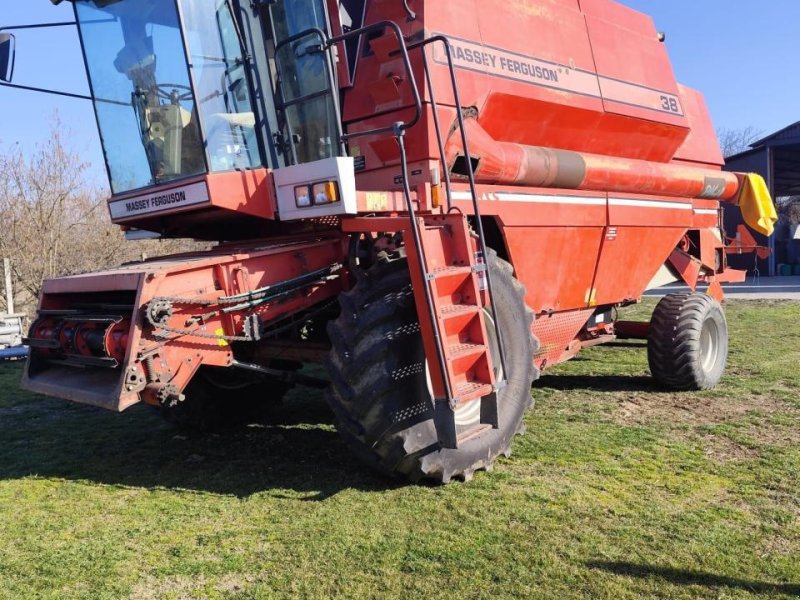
(555, 264)
(241, 195)
(636, 77)
(630, 257)
(701, 146)
(589, 76)
(555, 332)
(553, 240)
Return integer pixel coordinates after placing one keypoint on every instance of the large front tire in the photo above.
(380, 391)
(687, 347)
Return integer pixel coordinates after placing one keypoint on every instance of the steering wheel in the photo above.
(165, 91)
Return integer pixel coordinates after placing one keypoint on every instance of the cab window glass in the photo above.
(143, 98)
(310, 115)
(220, 77)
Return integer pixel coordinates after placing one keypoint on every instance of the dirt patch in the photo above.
(750, 415)
(691, 409)
(723, 450)
(189, 588)
(779, 545)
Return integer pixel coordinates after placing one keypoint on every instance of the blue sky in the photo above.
(743, 54)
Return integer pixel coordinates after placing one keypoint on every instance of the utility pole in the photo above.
(9, 290)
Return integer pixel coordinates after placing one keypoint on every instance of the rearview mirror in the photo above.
(7, 53)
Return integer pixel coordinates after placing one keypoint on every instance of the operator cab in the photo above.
(185, 90)
(171, 102)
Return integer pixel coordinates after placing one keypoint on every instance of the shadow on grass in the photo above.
(298, 454)
(684, 577)
(602, 383)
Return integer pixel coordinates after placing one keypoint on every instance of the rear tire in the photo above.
(380, 393)
(687, 346)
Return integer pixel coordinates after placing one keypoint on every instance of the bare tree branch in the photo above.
(734, 141)
(55, 224)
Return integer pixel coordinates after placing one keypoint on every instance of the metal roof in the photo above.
(775, 157)
(787, 135)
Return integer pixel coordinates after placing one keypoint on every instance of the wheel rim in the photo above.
(709, 345)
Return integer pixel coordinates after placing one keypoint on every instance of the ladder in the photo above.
(450, 277)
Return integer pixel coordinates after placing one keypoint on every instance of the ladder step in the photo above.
(465, 436)
(471, 391)
(444, 272)
(462, 350)
(456, 310)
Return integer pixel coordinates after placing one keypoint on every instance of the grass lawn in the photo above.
(617, 490)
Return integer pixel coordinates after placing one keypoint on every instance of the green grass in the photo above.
(617, 490)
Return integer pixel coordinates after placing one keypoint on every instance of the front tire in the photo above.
(380, 391)
(687, 347)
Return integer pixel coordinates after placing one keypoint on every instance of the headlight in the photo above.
(323, 188)
(326, 192)
(302, 196)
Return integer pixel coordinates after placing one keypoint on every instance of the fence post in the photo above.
(9, 290)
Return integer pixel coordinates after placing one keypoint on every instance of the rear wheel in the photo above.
(687, 346)
(380, 390)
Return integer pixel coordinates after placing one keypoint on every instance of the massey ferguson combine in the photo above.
(435, 199)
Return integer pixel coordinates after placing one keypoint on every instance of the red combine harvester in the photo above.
(435, 200)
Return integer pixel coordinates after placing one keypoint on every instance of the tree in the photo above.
(734, 141)
(53, 223)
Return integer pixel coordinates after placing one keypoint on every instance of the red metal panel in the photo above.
(549, 35)
(706, 214)
(710, 245)
(636, 76)
(246, 192)
(701, 145)
(514, 118)
(250, 192)
(538, 90)
(654, 211)
(629, 259)
(537, 207)
(555, 264)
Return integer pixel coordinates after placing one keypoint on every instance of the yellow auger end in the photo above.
(756, 204)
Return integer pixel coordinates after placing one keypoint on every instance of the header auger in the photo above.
(436, 200)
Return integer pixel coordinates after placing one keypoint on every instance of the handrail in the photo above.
(437, 336)
(412, 16)
(403, 50)
(470, 173)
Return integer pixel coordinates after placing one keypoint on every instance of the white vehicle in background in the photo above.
(10, 330)
(11, 323)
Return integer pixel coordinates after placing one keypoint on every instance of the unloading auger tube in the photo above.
(507, 163)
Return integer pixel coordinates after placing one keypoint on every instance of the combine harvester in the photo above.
(435, 199)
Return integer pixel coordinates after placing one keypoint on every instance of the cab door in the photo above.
(306, 89)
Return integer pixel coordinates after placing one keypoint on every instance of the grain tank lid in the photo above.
(701, 145)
